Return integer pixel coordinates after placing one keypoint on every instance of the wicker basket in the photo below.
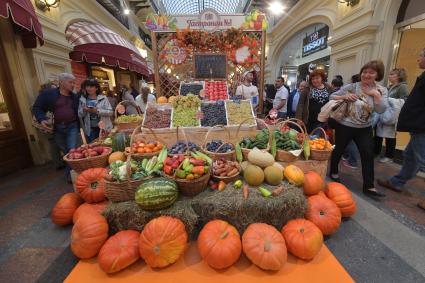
(140, 156)
(218, 155)
(246, 151)
(317, 154)
(191, 188)
(187, 152)
(123, 191)
(226, 179)
(130, 126)
(285, 156)
(79, 165)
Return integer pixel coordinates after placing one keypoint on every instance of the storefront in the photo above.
(19, 28)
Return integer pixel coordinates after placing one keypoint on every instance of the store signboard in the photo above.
(315, 42)
(209, 20)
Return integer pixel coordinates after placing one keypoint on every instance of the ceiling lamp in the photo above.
(350, 3)
(46, 4)
(126, 11)
(276, 8)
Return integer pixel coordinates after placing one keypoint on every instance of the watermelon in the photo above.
(156, 193)
(119, 142)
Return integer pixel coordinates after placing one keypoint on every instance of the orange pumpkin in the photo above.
(342, 197)
(88, 235)
(88, 208)
(219, 244)
(294, 175)
(90, 184)
(322, 194)
(163, 241)
(64, 209)
(324, 213)
(303, 238)
(162, 100)
(119, 251)
(313, 183)
(264, 246)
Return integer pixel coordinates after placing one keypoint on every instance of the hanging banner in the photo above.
(209, 20)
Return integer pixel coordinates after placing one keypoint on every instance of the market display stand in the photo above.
(190, 268)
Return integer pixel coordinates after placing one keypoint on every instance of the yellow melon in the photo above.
(117, 155)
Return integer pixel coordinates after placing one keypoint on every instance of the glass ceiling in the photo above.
(196, 6)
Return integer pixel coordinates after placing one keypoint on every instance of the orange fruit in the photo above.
(141, 150)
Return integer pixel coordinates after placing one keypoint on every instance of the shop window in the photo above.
(5, 124)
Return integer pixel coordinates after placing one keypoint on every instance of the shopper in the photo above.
(63, 103)
(279, 101)
(270, 95)
(144, 98)
(386, 126)
(312, 100)
(294, 98)
(112, 98)
(412, 120)
(133, 91)
(362, 98)
(336, 84)
(94, 108)
(246, 90)
(130, 104)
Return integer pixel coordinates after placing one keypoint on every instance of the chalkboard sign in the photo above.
(210, 66)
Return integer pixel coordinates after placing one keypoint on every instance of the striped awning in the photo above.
(97, 44)
(22, 13)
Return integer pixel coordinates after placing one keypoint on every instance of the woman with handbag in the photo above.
(361, 100)
(312, 99)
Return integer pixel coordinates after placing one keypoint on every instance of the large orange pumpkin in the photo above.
(64, 209)
(119, 251)
(343, 198)
(324, 213)
(163, 241)
(219, 244)
(89, 208)
(88, 235)
(313, 183)
(90, 184)
(264, 246)
(303, 238)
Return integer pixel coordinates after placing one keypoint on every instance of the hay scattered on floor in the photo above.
(228, 205)
(129, 216)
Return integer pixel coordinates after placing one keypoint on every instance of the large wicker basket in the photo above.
(187, 152)
(79, 165)
(226, 179)
(285, 156)
(191, 188)
(219, 155)
(123, 191)
(317, 154)
(133, 138)
(246, 151)
(130, 126)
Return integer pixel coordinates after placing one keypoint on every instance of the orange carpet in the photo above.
(323, 268)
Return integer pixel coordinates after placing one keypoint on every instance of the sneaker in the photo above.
(347, 164)
(385, 160)
(343, 158)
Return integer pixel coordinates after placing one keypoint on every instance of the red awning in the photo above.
(22, 13)
(97, 44)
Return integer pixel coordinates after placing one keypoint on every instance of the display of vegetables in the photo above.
(213, 114)
(188, 168)
(238, 112)
(156, 118)
(287, 140)
(215, 90)
(320, 144)
(181, 147)
(138, 169)
(90, 150)
(129, 118)
(219, 146)
(185, 111)
(146, 147)
(226, 168)
(260, 141)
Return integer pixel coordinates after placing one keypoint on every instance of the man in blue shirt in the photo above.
(293, 99)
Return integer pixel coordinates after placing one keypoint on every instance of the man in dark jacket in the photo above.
(412, 120)
(293, 99)
(63, 103)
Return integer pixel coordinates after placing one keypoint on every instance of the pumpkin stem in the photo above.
(224, 235)
(302, 230)
(322, 213)
(93, 185)
(156, 249)
(267, 246)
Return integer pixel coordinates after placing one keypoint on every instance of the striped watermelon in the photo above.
(156, 193)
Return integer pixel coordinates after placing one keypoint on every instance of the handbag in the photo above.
(339, 111)
(335, 109)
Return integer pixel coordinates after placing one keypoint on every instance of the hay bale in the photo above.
(129, 216)
(229, 205)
